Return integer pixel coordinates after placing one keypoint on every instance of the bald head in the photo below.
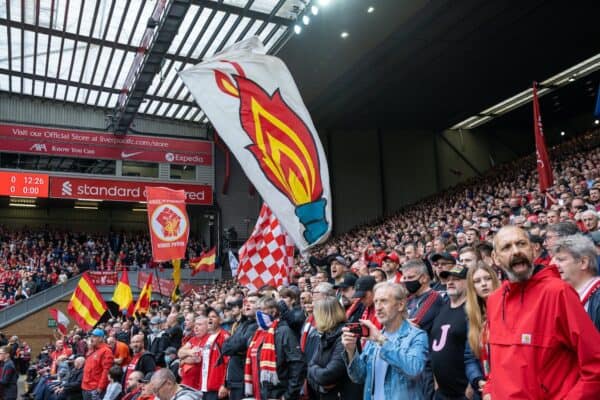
(134, 380)
(513, 253)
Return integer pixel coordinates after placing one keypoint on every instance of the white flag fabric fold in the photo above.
(62, 321)
(267, 255)
(233, 264)
(256, 108)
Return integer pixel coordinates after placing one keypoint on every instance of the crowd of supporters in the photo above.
(32, 260)
(489, 290)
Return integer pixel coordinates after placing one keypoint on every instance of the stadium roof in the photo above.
(109, 53)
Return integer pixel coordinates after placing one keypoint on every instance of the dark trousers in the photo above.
(440, 396)
(236, 393)
(209, 395)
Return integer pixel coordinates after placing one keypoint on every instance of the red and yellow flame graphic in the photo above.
(281, 141)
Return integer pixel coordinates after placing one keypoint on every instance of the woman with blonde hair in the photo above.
(327, 376)
(481, 282)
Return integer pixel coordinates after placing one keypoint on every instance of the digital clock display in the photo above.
(23, 184)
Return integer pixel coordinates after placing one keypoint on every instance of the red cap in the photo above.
(392, 256)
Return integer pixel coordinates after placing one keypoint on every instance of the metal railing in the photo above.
(39, 301)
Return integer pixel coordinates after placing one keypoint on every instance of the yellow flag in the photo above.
(176, 279)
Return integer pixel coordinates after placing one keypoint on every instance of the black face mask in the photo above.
(412, 286)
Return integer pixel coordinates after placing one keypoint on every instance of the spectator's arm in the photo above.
(411, 362)
(238, 343)
(472, 367)
(333, 372)
(580, 335)
(357, 367)
(107, 362)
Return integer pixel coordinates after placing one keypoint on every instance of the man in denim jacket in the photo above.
(393, 359)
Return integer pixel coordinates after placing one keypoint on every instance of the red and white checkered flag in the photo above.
(267, 255)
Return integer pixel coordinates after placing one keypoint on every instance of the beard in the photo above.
(519, 268)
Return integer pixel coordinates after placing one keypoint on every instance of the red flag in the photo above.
(143, 303)
(168, 222)
(544, 167)
(62, 322)
(206, 262)
(267, 255)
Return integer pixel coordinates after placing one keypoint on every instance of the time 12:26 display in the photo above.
(23, 184)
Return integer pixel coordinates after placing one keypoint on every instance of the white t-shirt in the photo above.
(381, 367)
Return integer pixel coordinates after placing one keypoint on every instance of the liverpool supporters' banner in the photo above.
(168, 222)
(165, 287)
(255, 106)
(121, 190)
(544, 167)
(103, 146)
(103, 278)
(267, 255)
(87, 305)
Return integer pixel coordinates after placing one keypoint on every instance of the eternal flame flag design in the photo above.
(168, 222)
(256, 108)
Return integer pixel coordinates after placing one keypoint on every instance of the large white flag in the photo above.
(254, 104)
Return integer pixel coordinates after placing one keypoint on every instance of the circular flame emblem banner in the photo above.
(168, 223)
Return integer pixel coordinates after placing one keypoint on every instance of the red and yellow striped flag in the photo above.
(87, 305)
(205, 262)
(143, 304)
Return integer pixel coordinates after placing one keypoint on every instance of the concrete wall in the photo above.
(34, 329)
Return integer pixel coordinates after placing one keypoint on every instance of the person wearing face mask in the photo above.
(424, 303)
(275, 367)
(142, 360)
(172, 362)
(423, 306)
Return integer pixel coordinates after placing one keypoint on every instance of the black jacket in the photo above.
(294, 317)
(146, 363)
(72, 386)
(8, 380)
(327, 368)
(235, 347)
(594, 308)
(291, 368)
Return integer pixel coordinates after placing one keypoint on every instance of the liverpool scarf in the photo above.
(267, 365)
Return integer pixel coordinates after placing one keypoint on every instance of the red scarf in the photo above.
(308, 325)
(263, 368)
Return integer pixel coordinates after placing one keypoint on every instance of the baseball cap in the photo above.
(349, 281)
(392, 256)
(443, 256)
(362, 285)
(147, 377)
(97, 332)
(458, 271)
(337, 257)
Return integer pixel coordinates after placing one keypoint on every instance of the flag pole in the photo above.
(158, 279)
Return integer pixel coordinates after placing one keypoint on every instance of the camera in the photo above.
(358, 329)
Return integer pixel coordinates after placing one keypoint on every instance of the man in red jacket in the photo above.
(542, 343)
(97, 363)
